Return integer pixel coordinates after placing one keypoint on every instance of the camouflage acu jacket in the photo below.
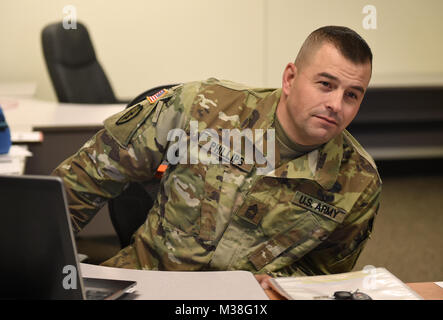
(311, 215)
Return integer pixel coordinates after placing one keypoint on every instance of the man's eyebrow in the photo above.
(327, 75)
(330, 76)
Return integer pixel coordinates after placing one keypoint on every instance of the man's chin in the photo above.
(320, 138)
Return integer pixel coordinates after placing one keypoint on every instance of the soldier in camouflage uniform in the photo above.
(311, 214)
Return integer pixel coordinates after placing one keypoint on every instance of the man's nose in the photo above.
(334, 102)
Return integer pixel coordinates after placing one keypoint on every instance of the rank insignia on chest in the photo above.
(319, 207)
(157, 96)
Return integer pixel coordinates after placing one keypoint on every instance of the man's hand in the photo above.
(263, 279)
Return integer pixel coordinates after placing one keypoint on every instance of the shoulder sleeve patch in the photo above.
(122, 126)
(130, 114)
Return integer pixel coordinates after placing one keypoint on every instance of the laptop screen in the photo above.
(36, 242)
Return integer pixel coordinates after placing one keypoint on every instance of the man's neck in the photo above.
(287, 148)
(283, 117)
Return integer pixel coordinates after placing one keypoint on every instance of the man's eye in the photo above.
(325, 84)
(352, 95)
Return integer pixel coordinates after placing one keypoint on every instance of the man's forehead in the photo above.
(329, 62)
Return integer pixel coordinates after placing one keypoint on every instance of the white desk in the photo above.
(65, 127)
(185, 285)
(27, 114)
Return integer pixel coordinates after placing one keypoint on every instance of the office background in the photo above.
(142, 44)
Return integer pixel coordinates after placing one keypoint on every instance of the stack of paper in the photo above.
(26, 136)
(378, 283)
(14, 161)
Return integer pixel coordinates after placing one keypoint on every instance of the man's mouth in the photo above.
(327, 119)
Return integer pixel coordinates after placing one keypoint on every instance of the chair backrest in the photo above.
(75, 72)
(129, 210)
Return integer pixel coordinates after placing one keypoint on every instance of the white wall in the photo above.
(142, 44)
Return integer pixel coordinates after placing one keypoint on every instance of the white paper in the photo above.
(15, 152)
(378, 283)
(26, 136)
(13, 162)
(439, 283)
(14, 166)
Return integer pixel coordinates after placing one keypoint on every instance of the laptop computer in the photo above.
(37, 248)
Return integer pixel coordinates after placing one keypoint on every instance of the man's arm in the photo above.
(99, 171)
(130, 148)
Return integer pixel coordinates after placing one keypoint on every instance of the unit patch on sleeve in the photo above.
(131, 114)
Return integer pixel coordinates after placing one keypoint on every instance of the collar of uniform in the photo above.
(262, 117)
(321, 165)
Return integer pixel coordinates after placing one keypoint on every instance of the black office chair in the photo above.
(129, 210)
(75, 72)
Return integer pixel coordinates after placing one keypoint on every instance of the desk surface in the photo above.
(24, 114)
(218, 285)
(170, 285)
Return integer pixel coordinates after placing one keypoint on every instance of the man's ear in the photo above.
(288, 77)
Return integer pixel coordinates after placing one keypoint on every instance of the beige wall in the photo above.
(142, 44)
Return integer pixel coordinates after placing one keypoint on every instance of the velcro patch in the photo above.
(122, 125)
(253, 211)
(131, 114)
(227, 154)
(319, 207)
(157, 96)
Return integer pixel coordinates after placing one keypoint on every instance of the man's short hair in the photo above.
(350, 44)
